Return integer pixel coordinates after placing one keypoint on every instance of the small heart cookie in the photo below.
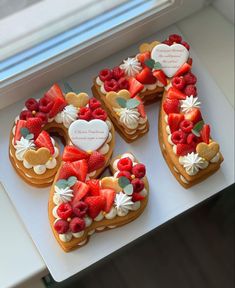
(207, 151)
(77, 100)
(112, 96)
(112, 183)
(38, 157)
(148, 47)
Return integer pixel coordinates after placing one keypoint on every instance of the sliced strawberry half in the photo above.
(19, 124)
(146, 76)
(140, 107)
(205, 133)
(184, 149)
(160, 75)
(174, 120)
(44, 140)
(72, 153)
(95, 205)
(194, 115)
(171, 106)
(96, 161)
(66, 171)
(174, 93)
(80, 167)
(136, 196)
(54, 92)
(59, 104)
(80, 191)
(142, 57)
(94, 185)
(135, 87)
(183, 69)
(109, 195)
(35, 126)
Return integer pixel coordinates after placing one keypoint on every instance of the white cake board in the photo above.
(167, 197)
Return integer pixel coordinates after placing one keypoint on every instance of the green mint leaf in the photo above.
(150, 63)
(67, 87)
(71, 181)
(123, 181)
(197, 128)
(30, 136)
(121, 102)
(132, 103)
(62, 183)
(24, 132)
(157, 66)
(128, 189)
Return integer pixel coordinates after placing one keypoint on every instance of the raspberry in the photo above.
(94, 103)
(106, 74)
(80, 209)
(138, 185)
(167, 42)
(186, 45)
(125, 164)
(175, 38)
(64, 211)
(25, 114)
(32, 104)
(123, 83)
(186, 126)
(178, 82)
(192, 139)
(99, 113)
(76, 225)
(42, 116)
(45, 104)
(61, 226)
(85, 114)
(111, 85)
(178, 137)
(139, 170)
(126, 174)
(190, 90)
(190, 78)
(118, 73)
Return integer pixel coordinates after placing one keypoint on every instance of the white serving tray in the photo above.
(167, 197)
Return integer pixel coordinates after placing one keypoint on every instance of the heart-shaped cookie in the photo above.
(171, 57)
(207, 151)
(112, 183)
(88, 136)
(112, 96)
(148, 47)
(37, 157)
(77, 100)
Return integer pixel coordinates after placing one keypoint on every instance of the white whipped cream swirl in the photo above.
(131, 66)
(129, 117)
(192, 162)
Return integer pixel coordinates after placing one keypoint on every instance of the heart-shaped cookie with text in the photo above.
(112, 96)
(88, 136)
(171, 57)
(148, 47)
(207, 151)
(37, 157)
(77, 100)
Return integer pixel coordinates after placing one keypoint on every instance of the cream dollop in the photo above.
(69, 115)
(62, 195)
(123, 204)
(129, 117)
(111, 214)
(192, 162)
(189, 103)
(131, 66)
(22, 146)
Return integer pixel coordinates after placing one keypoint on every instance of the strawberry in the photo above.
(94, 185)
(44, 140)
(95, 205)
(42, 116)
(25, 114)
(183, 69)
(171, 106)
(192, 139)
(184, 149)
(59, 104)
(96, 161)
(137, 197)
(72, 153)
(143, 57)
(66, 171)
(205, 133)
(35, 126)
(146, 76)
(174, 93)
(140, 107)
(174, 120)
(54, 92)
(159, 74)
(80, 167)
(190, 61)
(77, 224)
(135, 87)
(108, 195)
(80, 190)
(194, 115)
(19, 124)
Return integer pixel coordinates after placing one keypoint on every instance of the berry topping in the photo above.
(186, 126)
(174, 93)
(94, 185)
(174, 121)
(56, 95)
(66, 171)
(138, 185)
(167, 42)
(95, 205)
(179, 82)
(44, 140)
(59, 104)
(159, 74)
(61, 226)
(54, 92)
(175, 38)
(118, 73)
(205, 133)
(42, 116)
(94, 104)
(111, 85)
(32, 104)
(139, 170)
(192, 139)
(19, 124)
(80, 208)
(146, 76)
(190, 61)
(108, 195)
(186, 45)
(123, 83)
(85, 114)
(25, 114)
(171, 106)
(80, 190)
(126, 174)
(183, 69)
(143, 57)
(137, 197)
(96, 161)
(72, 153)
(140, 107)
(100, 114)
(77, 224)
(35, 126)
(105, 75)
(184, 149)
(190, 90)
(135, 86)
(81, 168)
(45, 104)
(64, 210)
(178, 137)
(125, 164)
(190, 78)
(194, 115)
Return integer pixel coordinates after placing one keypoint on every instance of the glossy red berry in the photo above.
(100, 114)
(32, 104)
(178, 137)
(126, 174)
(80, 209)
(175, 38)
(138, 185)
(85, 113)
(179, 82)
(118, 73)
(111, 85)
(94, 104)
(190, 78)
(123, 83)
(45, 104)
(61, 226)
(190, 90)
(125, 164)
(139, 170)
(64, 210)
(186, 126)
(106, 74)
(186, 45)
(192, 139)
(77, 225)
(42, 116)
(25, 114)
